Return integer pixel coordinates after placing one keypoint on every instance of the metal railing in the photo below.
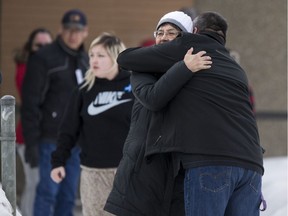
(8, 149)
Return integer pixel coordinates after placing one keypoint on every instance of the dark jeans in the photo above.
(51, 198)
(222, 191)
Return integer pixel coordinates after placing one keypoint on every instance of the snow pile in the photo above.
(5, 206)
(274, 186)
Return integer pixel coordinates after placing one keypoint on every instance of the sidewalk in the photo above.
(78, 208)
(20, 184)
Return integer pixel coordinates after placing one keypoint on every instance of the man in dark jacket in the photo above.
(209, 126)
(51, 75)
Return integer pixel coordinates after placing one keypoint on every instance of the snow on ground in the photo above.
(274, 186)
(5, 206)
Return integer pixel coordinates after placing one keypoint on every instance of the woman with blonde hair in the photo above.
(98, 119)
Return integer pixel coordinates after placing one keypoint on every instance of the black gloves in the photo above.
(32, 155)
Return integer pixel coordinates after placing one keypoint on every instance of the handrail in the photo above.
(8, 149)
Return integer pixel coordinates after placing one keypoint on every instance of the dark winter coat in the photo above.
(146, 185)
(210, 116)
(50, 78)
(48, 84)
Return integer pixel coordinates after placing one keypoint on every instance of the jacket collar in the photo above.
(66, 49)
(122, 74)
(215, 36)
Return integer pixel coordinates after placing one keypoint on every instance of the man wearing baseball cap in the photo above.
(51, 76)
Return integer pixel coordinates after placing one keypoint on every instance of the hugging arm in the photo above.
(154, 94)
(155, 59)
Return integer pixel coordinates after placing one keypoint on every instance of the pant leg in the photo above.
(31, 180)
(66, 196)
(214, 191)
(246, 197)
(46, 189)
(95, 186)
(177, 201)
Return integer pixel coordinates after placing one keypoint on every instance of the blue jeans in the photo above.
(51, 198)
(222, 191)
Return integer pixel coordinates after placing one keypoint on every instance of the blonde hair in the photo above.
(113, 46)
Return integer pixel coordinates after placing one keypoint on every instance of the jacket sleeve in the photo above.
(69, 130)
(154, 94)
(158, 58)
(33, 90)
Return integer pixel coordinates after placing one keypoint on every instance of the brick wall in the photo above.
(131, 20)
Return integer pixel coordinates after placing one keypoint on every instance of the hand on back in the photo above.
(198, 61)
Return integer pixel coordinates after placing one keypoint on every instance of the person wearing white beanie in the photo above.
(171, 25)
(208, 127)
(178, 18)
(148, 187)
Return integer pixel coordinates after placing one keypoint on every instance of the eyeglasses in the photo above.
(169, 34)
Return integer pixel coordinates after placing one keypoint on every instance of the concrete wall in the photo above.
(258, 32)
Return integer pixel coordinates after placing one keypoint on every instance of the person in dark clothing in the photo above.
(146, 186)
(52, 74)
(37, 39)
(98, 115)
(208, 127)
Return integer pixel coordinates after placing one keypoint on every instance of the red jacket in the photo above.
(20, 72)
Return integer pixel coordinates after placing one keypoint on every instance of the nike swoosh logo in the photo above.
(92, 110)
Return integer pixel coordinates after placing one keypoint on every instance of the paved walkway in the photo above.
(78, 208)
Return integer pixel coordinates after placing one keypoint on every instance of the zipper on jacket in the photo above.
(157, 140)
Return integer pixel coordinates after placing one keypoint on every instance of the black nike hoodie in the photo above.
(98, 120)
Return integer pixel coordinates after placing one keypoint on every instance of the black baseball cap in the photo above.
(74, 19)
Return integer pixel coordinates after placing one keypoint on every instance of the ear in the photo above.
(86, 32)
(60, 30)
(195, 30)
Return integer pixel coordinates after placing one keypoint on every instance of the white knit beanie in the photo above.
(178, 18)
